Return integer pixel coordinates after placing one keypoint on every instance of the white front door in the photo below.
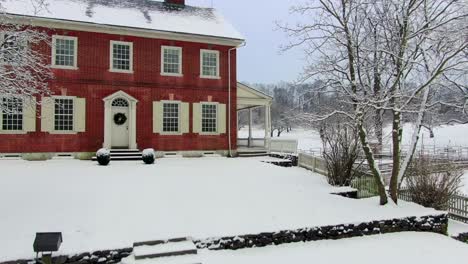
(120, 123)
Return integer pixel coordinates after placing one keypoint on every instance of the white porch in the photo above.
(249, 99)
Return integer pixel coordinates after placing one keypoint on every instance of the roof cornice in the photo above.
(118, 30)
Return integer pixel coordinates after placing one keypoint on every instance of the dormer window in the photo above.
(171, 61)
(121, 57)
(64, 52)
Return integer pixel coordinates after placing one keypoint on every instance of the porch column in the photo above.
(267, 124)
(250, 128)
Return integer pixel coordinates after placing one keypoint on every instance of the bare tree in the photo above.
(24, 66)
(382, 55)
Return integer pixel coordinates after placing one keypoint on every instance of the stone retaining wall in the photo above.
(436, 224)
(462, 237)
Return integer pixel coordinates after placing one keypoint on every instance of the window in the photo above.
(121, 56)
(12, 114)
(209, 116)
(209, 61)
(12, 49)
(171, 60)
(63, 114)
(64, 52)
(171, 117)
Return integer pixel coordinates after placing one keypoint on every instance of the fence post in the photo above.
(314, 164)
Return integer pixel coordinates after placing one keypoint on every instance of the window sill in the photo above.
(209, 134)
(210, 77)
(13, 132)
(171, 134)
(64, 67)
(63, 132)
(172, 74)
(120, 71)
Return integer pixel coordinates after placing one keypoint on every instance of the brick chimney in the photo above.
(175, 2)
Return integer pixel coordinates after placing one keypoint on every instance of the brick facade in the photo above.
(93, 81)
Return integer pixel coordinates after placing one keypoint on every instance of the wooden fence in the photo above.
(457, 207)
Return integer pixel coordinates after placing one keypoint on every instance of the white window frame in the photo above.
(178, 132)
(180, 50)
(216, 132)
(216, 52)
(75, 53)
(2, 39)
(22, 119)
(74, 116)
(111, 56)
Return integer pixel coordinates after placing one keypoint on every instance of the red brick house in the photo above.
(132, 75)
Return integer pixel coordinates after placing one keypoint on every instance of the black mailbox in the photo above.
(47, 242)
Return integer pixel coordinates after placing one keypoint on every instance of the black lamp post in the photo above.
(46, 243)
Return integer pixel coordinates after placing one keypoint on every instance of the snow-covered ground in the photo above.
(111, 207)
(456, 228)
(383, 249)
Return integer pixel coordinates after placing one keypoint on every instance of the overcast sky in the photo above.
(260, 61)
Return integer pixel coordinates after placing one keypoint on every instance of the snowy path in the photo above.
(407, 248)
(112, 207)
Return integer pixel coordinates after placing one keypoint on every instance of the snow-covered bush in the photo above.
(340, 151)
(148, 156)
(103, 156)
(431, 183)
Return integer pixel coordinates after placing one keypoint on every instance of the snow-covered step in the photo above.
(252, 154)
(160, 249)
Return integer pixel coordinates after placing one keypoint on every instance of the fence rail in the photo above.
(367, 187)
(457, 206)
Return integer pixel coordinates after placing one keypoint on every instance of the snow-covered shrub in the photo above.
(103, 156)
(148, 156)
(431, 183)
(340, 151)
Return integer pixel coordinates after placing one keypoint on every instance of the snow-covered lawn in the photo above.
(111, 207)
(383, 249)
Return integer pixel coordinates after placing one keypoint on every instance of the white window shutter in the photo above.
(29, 114)
(221, 122)
(157, 117)
(47, 114)
(185, 118)
(196, 126)
(80, 114)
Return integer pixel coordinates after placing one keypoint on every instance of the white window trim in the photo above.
(2, 39)
(216, 52)
(179, 132)
(216, 133)
(64, 132)
(75, 55)
(12, 132)
(111, 56)
(180, 74)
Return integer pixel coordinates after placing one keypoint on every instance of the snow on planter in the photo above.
(103, 156)
(148, 156)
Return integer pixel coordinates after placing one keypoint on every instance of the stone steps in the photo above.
(252, 154)
(172, 251)
(124, 155)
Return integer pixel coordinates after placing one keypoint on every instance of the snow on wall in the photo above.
(143, 14)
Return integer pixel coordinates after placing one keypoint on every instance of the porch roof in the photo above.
(248, 97)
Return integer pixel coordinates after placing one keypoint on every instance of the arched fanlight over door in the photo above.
(120, 102)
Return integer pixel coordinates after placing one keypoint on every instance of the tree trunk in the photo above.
(396, 141)
(371, 160)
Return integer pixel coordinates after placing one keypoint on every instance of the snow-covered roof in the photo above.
(138, 14)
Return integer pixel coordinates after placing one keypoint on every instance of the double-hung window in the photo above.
(63, 114)
(171, 61)
(121, 54)
(209, 118)
(12, 114)
(64, 52)
(209, 63)
(13, 48)
(171, 115)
